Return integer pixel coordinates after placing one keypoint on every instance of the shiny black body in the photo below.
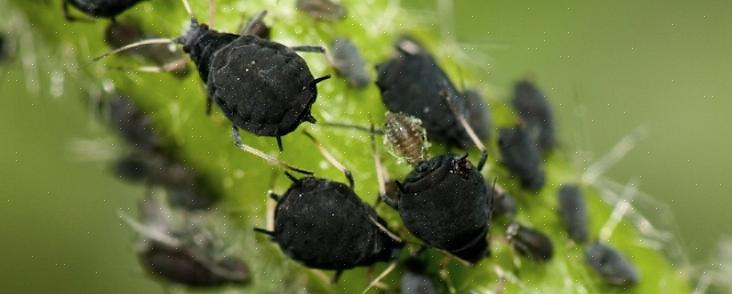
(184, 266)
(262, 86)
(572, 209)
(534, 110)
(415, 279)
(612, 265)
(444, 202)
(102, 8)
(530, 242)
(323, 224)
(413, 83)
(521, 156)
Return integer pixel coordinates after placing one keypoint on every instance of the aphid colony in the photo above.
(267, 89)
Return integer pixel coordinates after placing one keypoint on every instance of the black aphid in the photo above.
(572, 210)
(133, 125)
(183, 253)
(347, 61)
(262, 86)
(323, 224)
(444, 202)
(165, 57)
(98, 8)
(530, 242)
(503, 203)
(521, 156)
(612, 265)
(534, 110)
(415, 279)
(413, 83)
(322, 9)
(257, 27)
(405, 137)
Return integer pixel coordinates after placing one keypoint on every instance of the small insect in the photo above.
(444, 202)
(413, 83)
(98, 8)
(503, 202)
(572, 210)
(165, 57)
(347, 61)
(182, 253)
(322, 9)
(612, 265)
(415, 279)
(477, 113)
(405, 137)
(534, 110)
(262, 86)
(521, 156)
(530, 242)
(323, 224)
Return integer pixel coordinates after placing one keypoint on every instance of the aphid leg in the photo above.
(331, 159)
(381, 176)
(279, 144)
(135, 45)
(209, 105)
(262, 155)
(67, 13)
(313, 49)
(320, 79)
(468, 129)
(253, 22)
(383, 274)
(264, 231)
(375, 131)
(385, 230)
(274, 196)
(336, 277)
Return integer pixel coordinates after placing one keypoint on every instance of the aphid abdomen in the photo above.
(534, 109)
(405, 136)
(572, 210)
(262, 86)
(202, 44)
(103, 8)
(522, 157)
(612, 265)
(324, 225)
(443, 202)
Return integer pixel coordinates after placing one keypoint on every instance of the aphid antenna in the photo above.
(619, 211)
(212, 12)
(256, 152)
(135, 45)
(382, 275)
(331, 159)
(385, 230)
(187, 7)
(468, 129)
(256, 19)
(147, 232)
(375, 131)
(616, 153)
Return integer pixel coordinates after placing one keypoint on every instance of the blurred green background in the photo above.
(661, 64)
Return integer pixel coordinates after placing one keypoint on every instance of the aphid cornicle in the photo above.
(98, 8)
(612, 265)
(572, 210)
(261, 86)
(534, 110)
(413, 83)
(521, 156)
(415, 279)
(530, 242)
(444, 202)
(180, 252)
(347, 61)
(119, 34)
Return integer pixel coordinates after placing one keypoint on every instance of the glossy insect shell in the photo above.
(443, 202)
(103, 8)
(521, 156)
(413, 83)
(182, 266)
(323, 224)
(533, 108)
(263, 87)
(572, 209)
(612, 265)
(530, 242)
